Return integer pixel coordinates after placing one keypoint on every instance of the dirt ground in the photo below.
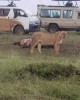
(70, 49)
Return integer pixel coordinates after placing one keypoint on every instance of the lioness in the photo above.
(40, 38)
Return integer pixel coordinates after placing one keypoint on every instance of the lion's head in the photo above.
(63, 34)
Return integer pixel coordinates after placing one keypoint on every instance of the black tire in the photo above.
(18, 30)
(53, 28)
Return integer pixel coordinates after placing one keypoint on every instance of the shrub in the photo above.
(49, 70)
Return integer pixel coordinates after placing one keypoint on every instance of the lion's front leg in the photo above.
(32, 49)
(56, 49)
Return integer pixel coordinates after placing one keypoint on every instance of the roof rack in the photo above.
(55, 6)
(76, 4)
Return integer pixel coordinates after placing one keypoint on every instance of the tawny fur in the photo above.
(40, 38)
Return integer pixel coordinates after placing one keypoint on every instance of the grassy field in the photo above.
(26, 76)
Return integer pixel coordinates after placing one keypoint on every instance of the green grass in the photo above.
(16, 83)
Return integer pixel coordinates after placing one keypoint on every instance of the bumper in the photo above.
(34, 27)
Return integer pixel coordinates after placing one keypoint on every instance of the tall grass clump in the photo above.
(52, 71)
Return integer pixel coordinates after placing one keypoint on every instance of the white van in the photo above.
(15, 19)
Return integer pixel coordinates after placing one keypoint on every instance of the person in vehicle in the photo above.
(69, 4)
(11, 4)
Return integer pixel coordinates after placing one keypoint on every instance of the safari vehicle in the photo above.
(54, 18)
(16, 20)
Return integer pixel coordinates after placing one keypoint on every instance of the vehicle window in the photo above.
(67, 14)
(78, 15)
(44, 13)
(4, 12)
(50, 13)
(19, 12)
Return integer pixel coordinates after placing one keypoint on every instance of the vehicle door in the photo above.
(77, 20)
(22, 17)
(67, 19)
(4, 20)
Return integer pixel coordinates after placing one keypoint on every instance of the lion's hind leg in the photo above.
(33, 46)
(39, 47)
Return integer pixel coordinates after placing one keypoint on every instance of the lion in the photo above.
(40, 38)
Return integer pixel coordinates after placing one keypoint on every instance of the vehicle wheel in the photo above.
(52, 28)
(18, 30)
(27, 32)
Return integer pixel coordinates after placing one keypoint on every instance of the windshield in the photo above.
(29, 12)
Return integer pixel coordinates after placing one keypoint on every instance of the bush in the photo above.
(49, 70)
